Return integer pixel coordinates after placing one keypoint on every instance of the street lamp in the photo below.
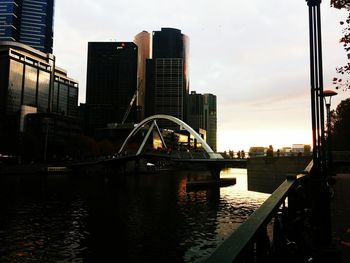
(327, 96)
(319, 199)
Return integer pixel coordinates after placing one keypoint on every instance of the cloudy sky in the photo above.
(253, 55)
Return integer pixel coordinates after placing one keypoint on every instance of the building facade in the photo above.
(111, 83)
(29, 22)
(167, 72)
(196, 110)
(202, 114)
(210, 119)
(143, 42)
(31, 82)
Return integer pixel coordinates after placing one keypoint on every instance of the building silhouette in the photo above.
(167, 83)
(32, 84)
(202, 114)
(111, 84)
(143, 42)
(29, 22)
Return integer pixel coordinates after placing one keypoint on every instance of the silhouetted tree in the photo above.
(231, 153)
(307, 148)
(269, 152)
(341, 126)
(345, 40)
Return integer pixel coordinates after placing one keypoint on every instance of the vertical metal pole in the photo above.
(320, 202)
(320, 90)
(316, 79)
(312, 82)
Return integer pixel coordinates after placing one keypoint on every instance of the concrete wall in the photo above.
(265, 174)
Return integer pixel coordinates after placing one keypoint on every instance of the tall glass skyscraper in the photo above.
(167, 72)
(29, 22)
(111, 83)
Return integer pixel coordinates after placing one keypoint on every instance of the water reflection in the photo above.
(35, 230)
(145, 218)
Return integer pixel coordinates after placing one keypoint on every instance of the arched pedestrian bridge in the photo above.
(213, 161)
(153, 121)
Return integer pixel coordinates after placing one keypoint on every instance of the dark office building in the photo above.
(29, 22)
(167, 72)
(31, 83)
(202, 114)
(210, 119)
(111, 84)
(196, 110)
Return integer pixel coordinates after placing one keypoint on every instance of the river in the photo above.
(135, 218)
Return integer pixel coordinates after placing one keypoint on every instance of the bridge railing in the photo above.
(253, 240)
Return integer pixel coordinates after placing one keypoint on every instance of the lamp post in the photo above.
(327, 96)
(316, 81)
(318, 193)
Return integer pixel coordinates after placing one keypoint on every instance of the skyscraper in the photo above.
(29, 22)
(202, 115)
(168, 83)
(143, 42)
(10, 13)
(210, 119)
(111, 83)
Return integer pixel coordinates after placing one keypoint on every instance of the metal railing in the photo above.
(251, 242)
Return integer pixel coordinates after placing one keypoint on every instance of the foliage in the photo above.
(341, 126)
(307, 148)
(340, 83)
(269, 152)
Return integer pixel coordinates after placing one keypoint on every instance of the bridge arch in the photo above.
(188, 128)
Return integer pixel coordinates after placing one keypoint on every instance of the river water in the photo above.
(143, 218)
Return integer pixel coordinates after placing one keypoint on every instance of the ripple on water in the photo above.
(155, 215)
(43, 232)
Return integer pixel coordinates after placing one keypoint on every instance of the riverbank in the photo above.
(30, 169)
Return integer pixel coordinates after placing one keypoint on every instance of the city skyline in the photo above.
(253, 56)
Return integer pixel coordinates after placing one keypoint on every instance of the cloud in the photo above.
(254, 55)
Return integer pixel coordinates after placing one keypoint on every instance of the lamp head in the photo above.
(313, 2)
(327, 96)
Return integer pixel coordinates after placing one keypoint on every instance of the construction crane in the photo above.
(131, 102)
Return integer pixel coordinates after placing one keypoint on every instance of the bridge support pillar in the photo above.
(215, 172)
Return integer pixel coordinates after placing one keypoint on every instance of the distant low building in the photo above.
(297, 148)
(285, 151)
(304, 149)
(257, 151)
